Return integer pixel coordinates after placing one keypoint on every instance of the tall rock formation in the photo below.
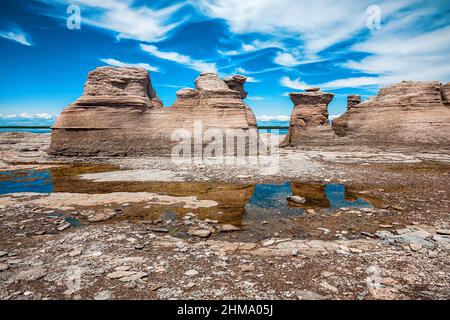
(120, 114)
(309, 119)
(408, 113)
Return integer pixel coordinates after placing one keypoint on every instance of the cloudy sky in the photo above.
(344, 47)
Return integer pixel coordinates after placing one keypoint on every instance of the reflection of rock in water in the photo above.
(326, 196)
(231, 198)
(339, 197)
(313, 193)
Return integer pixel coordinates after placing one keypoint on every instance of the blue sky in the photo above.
(281, 45)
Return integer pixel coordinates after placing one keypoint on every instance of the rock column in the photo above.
(309, 119)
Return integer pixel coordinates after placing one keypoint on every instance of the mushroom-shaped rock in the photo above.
(309, 119)
(313, 89)
(236, 83)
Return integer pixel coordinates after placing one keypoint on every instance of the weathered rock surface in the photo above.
(309, 119)
(120, 114)
(236, 83)
(353, 101)
(404, 114)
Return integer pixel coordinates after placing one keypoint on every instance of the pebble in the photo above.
(64, 226)
(296, 199)
(134, 277)
(329, 287)
(325, 231)
(229, 228)
(161, 230)
(103, 295)
(191, 273)
(75, 253)
(3, 267)
(354, 250)
(3, 253)
(201, 233)
(308, 295)
(415, 246)
(445, 232)
(248, 267)
(122, 268)
(268, 243)
(98, 217)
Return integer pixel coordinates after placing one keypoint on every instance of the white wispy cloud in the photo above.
(243, 72)
(331, 117)
(320, 24)
(128, 19)
(255, 98)
(251, 79)
(295, 84)
(25, 115)
(265, 118)
(255, 45)
(118, 63)
(185, 60)
(293, 59)
(17, 36)
(395, 56)
(286, 59)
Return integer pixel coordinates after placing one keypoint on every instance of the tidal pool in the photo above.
(39, 181)
(258, 209)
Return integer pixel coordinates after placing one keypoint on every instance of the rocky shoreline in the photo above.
(400, 251)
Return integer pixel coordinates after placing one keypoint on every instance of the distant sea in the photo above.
(274, 124)
(260, 123)
(26, 130)
(25, 125)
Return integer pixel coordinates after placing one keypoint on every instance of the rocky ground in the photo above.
(401, 251)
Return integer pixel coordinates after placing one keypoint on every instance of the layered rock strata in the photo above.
(119, 114)
(353, 101)
(402, 114)
(309, 119)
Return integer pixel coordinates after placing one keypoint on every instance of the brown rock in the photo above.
(229, 228)
(236, 83)
(353, 101)
(408, 113)
(120, 114)
(201, 233)
(32, 274)
(102, 216)
(309, 119)
(248, 267)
